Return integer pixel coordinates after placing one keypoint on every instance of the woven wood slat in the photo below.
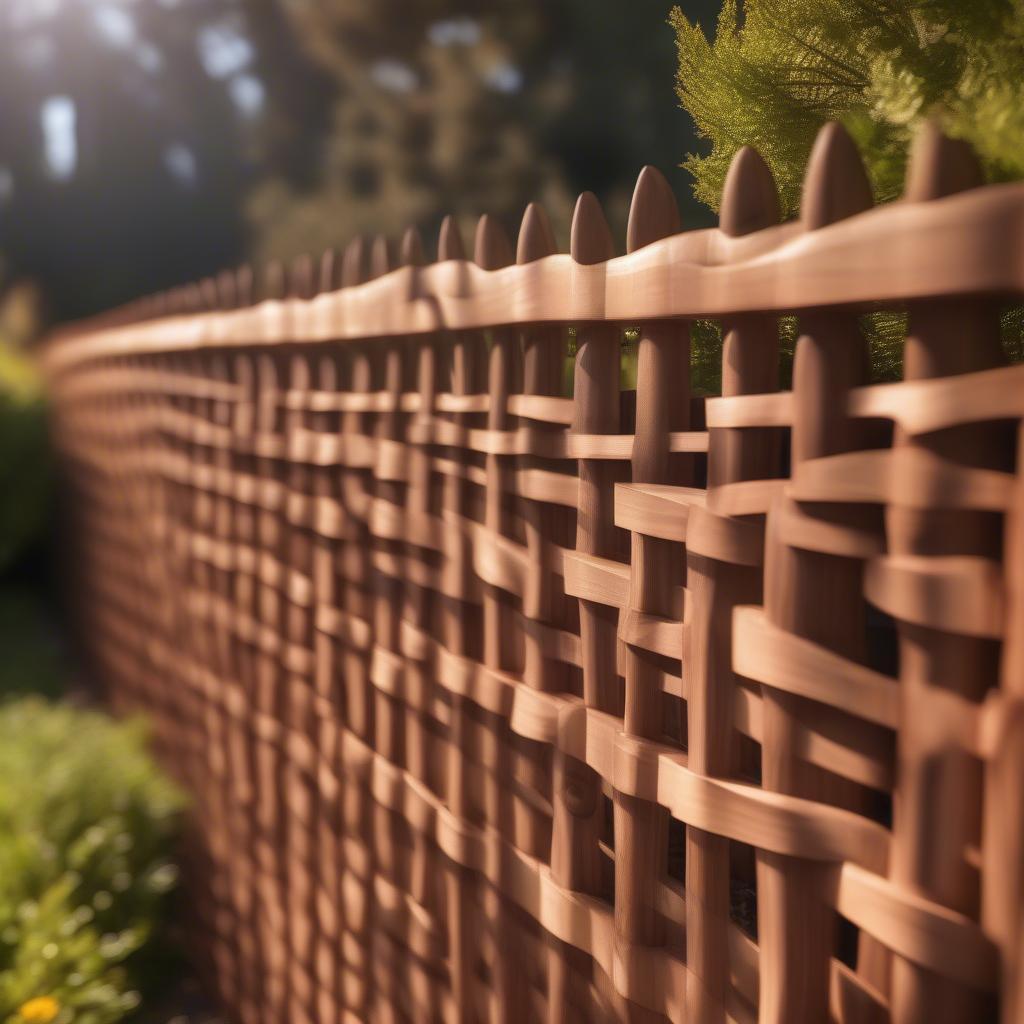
(505, 693)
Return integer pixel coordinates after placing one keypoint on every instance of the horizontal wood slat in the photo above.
(505, 694)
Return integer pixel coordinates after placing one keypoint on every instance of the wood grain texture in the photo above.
(507, 694)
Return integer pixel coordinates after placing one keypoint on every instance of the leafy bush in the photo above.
(86, 825)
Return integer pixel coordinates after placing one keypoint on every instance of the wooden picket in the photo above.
(501, 703)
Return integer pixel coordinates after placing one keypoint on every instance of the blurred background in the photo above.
(146, 143)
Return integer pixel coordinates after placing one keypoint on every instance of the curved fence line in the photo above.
(509, 693)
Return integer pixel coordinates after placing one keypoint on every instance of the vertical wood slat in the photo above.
(491, 250)
(1002, 842)
(945, 338)
(359, 982)
(750, 365)
(417, 605)
(385, 598)
(818, 597)
(270, 681)
(576, 786)
(244, 602)
(459, 623)
(662, 404)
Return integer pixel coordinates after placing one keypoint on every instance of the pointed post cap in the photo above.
(273, 280)
(193, 298)
(491, 248)
(836, 185)
(328, 273)
(940, 166)
(209, 298)
(536, 240)
(353, 263)
(590, 240)
(244, 284)
(382, 257)
(449, 241)
(411, 250)
(750, 199)
(653, 212)
(227, 290)
(302, 277)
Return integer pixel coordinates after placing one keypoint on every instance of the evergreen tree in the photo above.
(778, 69)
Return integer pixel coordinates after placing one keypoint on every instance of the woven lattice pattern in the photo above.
(507, 694)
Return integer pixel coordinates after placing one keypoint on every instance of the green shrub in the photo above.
(86, 826)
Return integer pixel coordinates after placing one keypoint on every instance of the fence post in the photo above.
(595, 411)
(459, 624)
(662, 404)
(818, 597)
(1002, 844)
(945, 338)
(715, 585)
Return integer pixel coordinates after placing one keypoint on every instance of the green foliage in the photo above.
(86, 823)
(772, 78)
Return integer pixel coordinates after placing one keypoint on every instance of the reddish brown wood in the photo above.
(418, 627)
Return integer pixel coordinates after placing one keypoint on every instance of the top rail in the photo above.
(966, 244)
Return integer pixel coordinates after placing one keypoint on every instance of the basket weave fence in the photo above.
(500, 704)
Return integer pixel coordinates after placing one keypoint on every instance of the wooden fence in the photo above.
(501, 704)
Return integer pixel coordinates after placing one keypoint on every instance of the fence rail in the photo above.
(507, 698)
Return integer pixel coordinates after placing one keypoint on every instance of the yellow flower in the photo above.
(40, 1010)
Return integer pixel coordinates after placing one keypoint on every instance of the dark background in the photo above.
(145, 143)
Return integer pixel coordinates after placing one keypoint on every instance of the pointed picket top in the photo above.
(227, 290)
(301, 277)
(327, 275)
(382, 257)
(274, 280)
(940, 166)
(192, 299)
(491, 247)
(590, 239)
(536, 239)
(653, 211)
(410, 252)
(354, 263)
(244, 285)
(836, 185)
(208, 297)
(750, 198)
(449, 241)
